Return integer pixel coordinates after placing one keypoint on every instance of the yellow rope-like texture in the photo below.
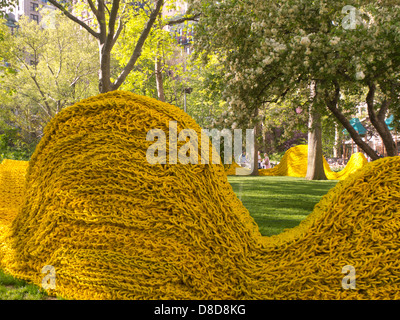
(114, 226)
(230, 169)
(294, 164)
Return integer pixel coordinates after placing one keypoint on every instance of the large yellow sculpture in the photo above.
(113, 226)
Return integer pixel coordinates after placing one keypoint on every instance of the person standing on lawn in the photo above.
(266, 163)
(243, 159)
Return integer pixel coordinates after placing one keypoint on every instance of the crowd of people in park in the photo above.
(263, 161)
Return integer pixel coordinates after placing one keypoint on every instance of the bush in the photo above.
(276, 157)
(13, 147)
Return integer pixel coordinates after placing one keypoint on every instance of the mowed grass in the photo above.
(275, 203)
(278, 203)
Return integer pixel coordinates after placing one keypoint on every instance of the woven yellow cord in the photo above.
(114, 226)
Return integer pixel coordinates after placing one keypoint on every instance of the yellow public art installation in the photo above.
(113, 226)
(294, 164)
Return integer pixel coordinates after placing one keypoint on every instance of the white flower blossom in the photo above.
(360, 75)
(305, 41)
(334, 41)
(267, 60)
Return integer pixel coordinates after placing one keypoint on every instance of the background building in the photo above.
(182, 33)
(29, 8)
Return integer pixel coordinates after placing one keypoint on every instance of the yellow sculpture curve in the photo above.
(115, 227)
(294, 164)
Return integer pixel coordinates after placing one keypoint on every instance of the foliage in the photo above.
(52, 68)
(105, 21)
(276, 157)
(274, 49)
(198, 72)
(142, 78)
(12, 146)
(285, 125)
(6, 4)
(205, 75)
(5, 67)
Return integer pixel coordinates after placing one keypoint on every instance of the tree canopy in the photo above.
(107, 22)
(276, 48)
(51, 69)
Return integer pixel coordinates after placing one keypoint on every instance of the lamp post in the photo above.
(12, 24)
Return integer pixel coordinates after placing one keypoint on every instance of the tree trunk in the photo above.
(336, 146)
(387, 138)
(158, 67)
(315, 164)
(255, 153)
(353, 133)
(378, 121)
(104, 71)
(332, 106)
(104, 51)
(159, 79)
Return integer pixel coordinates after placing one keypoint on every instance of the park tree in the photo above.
(108, 21)
(264, 56)
(151, 73)
(4, 66)
(205, 77)
(274, 48)
(54, 68)
(165, 70)
(368, 66)
(202, 77)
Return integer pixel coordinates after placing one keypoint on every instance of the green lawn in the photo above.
(14, 289)
(278, 203)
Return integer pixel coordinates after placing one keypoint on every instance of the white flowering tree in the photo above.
(315, 48)
(266, 44)
(367, 64)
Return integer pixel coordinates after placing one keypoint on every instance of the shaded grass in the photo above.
(15, 289)
(278, 203)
